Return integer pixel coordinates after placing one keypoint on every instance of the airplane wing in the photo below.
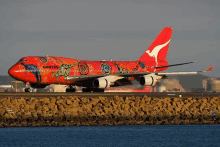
(86, 77)
(174, 64)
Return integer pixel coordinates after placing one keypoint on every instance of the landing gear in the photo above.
(98, 90)
(27, 89)
(27, 85)
(71, 89)
(86, 90)
(92, 90)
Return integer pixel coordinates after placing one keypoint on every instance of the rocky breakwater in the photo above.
(86, 111)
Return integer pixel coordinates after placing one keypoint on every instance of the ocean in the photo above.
(155, 136)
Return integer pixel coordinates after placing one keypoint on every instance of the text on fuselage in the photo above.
(54, 67)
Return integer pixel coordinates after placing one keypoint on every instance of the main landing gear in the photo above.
(86, 90)
(71, 89)
(92, 90)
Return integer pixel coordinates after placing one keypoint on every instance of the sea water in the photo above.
(158, 136)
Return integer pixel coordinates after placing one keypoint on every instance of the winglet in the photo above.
(209, 69)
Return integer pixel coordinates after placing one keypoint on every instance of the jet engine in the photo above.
(35, 85)
(101, 83)
(147, 80)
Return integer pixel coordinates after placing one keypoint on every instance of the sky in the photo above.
(110, 29)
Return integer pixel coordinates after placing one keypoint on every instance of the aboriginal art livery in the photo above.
(64, 70)
(40, 71)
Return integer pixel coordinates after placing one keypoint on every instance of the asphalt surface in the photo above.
(111, 94)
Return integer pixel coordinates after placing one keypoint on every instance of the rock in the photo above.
(2, 111)
(45, 108)
(71, 111)
(60, 102)
(44, 101)
(60, 108)
(68, 102)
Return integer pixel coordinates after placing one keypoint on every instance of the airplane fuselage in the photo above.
(55, 70)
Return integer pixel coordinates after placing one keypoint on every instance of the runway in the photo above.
(112, 94)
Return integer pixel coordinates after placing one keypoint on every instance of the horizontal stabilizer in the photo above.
(185, 73)
(174, 64)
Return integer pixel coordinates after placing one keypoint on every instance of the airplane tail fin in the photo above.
(159, 47)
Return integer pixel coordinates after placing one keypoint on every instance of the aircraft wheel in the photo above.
(27, 90)
(98, 90)
(73, 90)
(86, 90)
(70, 90)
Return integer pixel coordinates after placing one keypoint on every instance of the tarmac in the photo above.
(111, 94)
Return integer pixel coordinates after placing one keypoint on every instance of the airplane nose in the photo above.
(13, 71)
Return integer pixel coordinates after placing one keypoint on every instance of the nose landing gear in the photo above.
(27, 85)
(27, 89)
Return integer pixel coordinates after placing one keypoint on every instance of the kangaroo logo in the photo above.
(33, 69)
(122, 70)
(64, 70)
(155, 51)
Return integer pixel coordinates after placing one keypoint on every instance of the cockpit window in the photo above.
(22, 60)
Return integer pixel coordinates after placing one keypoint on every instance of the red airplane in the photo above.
(39, 71)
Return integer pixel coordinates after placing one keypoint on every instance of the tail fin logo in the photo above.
(155, 51)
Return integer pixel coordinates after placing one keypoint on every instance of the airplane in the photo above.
(96, 76)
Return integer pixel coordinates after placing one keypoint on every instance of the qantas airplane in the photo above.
(95, 76)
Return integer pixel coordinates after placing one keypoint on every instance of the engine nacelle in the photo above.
(101, 83)
(34, 85)
(147, 80)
